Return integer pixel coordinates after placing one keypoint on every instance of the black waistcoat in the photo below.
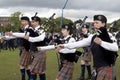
(34, 45)
(69, 56)
(101, 56)
(23, 42)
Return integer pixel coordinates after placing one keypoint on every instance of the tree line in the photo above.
(50, 25)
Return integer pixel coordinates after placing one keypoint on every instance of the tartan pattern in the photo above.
(25, 58)
(66, 72)
(106, 73)
(86, 56)
(39, 63)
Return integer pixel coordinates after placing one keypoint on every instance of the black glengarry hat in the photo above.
(25, 18)
(100, 18)
(36, 18)
(67, 26)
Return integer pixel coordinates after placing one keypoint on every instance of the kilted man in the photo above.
(86, 54)
(67, 56)
(38, 65)
(104, 50)
(25, 56)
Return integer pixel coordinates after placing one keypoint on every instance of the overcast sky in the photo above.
(75, 9)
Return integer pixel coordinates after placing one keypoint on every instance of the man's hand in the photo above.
(59, 47)
(3, 37)
(97, 41)
(38, 48)
(10, 33)
(26, 37)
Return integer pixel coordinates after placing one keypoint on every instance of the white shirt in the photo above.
(41, 36)
(9, 37)
(65, 50)
(87, 42)
(32, 39)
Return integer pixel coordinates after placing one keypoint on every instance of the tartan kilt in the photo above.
(106, 73)
(87, 56)
(39, 63)
(25, 58)
(67, 71)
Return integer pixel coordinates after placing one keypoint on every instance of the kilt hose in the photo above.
(66, 71)
(25, 58)
(106, 73)
(39, 63)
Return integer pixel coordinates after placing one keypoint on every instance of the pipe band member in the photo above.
(25, 56)
(35, 35)
(67, 56)
(37, 38)
(86, 55)
(104, 50)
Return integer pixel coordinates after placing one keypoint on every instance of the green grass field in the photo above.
(9, 69)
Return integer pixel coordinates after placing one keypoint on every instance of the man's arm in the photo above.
(83, 43)
(38, 38)
(109, 46)
(50, 47)
(19, 35)
(8, 37)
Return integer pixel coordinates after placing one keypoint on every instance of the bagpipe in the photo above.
(48, 26)
(79, 28)
(113, 26)
(48, 20)
(49, 23)
(44, 26)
